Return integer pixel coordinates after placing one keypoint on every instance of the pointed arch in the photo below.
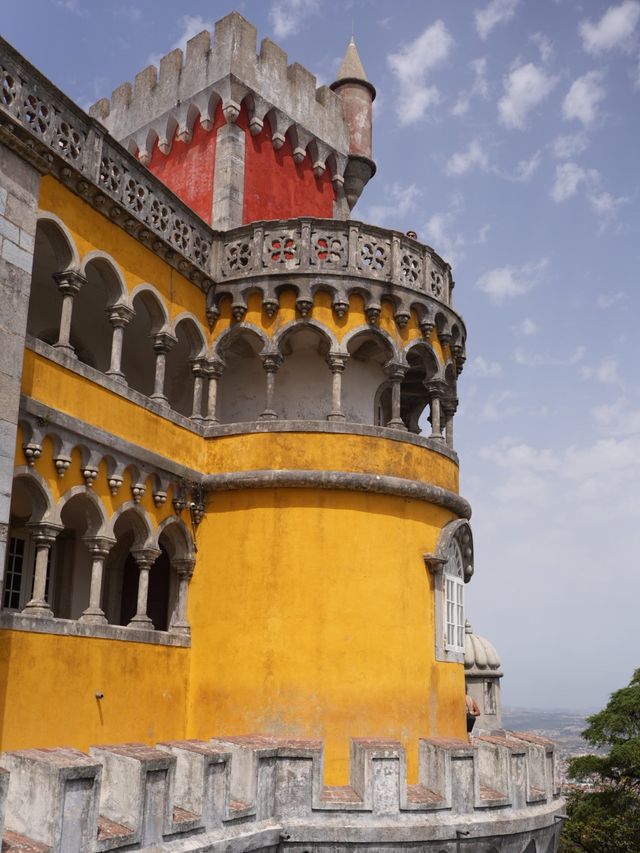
(130, 516)
(174, 534)
(235, 333)
(97, 523)
(295, 326)
(43, 505)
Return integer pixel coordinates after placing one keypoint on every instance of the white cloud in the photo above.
(463, 161)
(544, 359)
(526, 86)
(618, 418)
(190, 26)
(73, 6)
(497, 12)
(570, 145)
(402, 201)
(442, 234)
(505, 283)
(569, 177)
(479, 88)
(411, 66)
(605, 204)
(528, 327)
(483, 368)
(500, 405)
(526, 168)
(606, 300)
(605, 372)
(544, 45)
(583, 98)
(613, 30)
(287, 16)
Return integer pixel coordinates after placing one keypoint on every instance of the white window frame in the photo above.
(451, 567)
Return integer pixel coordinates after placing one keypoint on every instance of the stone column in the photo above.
(271, 364)
(184, 569)
(119, 316)
(449, 407)
(145, 558)
(69, 283)
(396, 373)
(162, 343)
(435, 395)
(215, 369)
(44, 535)
(99, 548)
(337, 363)
(199, 373)
(19, 189)
(228, 177)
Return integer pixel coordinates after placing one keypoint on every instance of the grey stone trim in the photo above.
(337, 428)
(228, 177)
(341, 481)
(72, 628)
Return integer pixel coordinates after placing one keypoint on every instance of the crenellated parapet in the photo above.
(263, 791)
(165, 104)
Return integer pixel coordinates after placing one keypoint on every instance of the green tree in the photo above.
(604, 817)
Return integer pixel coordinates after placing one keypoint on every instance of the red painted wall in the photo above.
(275, 186)
(188, 168)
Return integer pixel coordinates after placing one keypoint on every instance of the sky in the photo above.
(507, 134)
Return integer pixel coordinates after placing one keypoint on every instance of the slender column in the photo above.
(436, 393)
(119, 316)
(337, 363)
(199, 374)
(271, 364)
(449, 407)
(99, 548)
(184, 569)
(145, 558)
(69, 283)
(162, 343)
(215, 369)
(44, 535)
(396, 373)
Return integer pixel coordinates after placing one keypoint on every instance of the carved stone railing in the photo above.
(338, 248)
(67, 139)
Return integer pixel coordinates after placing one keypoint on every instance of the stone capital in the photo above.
(272, 362)
(396, 372)
(163, 341)
(184, 566)
(337, 361)
(199, 367)
(120, 315)
(145, 557)
(215, 369)
(99, 546)
(44, 533)
(69, 281)
(436, 388)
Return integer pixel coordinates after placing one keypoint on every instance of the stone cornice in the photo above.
(340, 481)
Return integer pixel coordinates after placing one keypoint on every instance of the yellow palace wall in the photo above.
(311, 611)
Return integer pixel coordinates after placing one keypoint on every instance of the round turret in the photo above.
(357, 95)
(483, 671)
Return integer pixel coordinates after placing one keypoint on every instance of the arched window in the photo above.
(303, 386)
(366, 392)
(52, 254)
(454, 599)
(241, 388)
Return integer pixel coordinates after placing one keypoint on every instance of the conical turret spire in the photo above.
(352, 68)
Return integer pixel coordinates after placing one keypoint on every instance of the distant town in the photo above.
(564, 727)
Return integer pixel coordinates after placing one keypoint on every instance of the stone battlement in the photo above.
(167, 102)
(256, 792)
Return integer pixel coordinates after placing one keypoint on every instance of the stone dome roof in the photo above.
(480, 657)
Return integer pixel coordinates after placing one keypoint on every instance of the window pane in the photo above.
(13, 581)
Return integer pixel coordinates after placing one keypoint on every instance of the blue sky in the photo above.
(507, 135)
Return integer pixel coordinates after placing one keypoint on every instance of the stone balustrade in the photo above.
(336, 248)
(257, 792)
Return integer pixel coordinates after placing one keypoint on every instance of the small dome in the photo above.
(480, 657)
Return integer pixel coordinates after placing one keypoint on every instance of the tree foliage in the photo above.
(604, 814)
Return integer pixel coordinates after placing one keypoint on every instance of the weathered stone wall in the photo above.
(19, 185)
